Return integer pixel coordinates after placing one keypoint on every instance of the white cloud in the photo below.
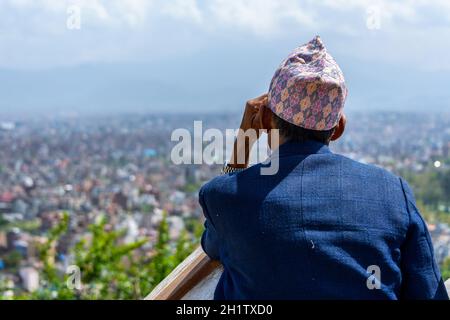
(121, 29)
(183, 9)
(262, 17)
(134, 12)
(108, 13)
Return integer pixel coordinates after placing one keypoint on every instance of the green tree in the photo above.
(162, 263)
(445, 269)
(12, 260)
(110, 268)
(445, 183)
(47, 250)
(106, 264)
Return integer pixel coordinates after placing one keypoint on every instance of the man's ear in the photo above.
(339, 128)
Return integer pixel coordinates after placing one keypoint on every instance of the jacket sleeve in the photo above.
(420, 272)
(210, 238)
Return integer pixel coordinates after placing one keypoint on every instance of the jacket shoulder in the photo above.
(369, 170)
(222, 184)
(231, 185)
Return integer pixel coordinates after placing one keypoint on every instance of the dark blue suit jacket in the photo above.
(316, 229)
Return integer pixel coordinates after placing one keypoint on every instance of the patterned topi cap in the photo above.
(308, 88)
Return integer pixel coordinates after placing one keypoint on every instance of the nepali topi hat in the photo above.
(308, 88)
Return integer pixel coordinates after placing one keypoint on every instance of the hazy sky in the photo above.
(182, 55)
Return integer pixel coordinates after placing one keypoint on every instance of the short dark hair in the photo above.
(298, 134)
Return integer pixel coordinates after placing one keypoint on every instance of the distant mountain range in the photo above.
(118, 88)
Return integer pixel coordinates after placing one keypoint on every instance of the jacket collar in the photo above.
(302, 148)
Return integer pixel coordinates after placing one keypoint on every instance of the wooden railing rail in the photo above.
(195, 278)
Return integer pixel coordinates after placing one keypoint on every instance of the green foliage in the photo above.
(433, 215)
(110, 268)
(445, 269)
(432, 192)
(25, 225)
(432, 187)
(12, 259)
(445, 183)
(3, 223)
(147, 208)
(166, 256)
(104, 262)
(191, 187)
(162, 262)
(194, 227)
(46, 250)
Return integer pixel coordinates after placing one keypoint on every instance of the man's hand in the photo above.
(250, 119)
(245, 139)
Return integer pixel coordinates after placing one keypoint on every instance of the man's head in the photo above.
(306, 96)
(290, 132)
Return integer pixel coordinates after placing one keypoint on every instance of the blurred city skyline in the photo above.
(206, 56)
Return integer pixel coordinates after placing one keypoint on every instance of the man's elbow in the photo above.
(210, 247)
